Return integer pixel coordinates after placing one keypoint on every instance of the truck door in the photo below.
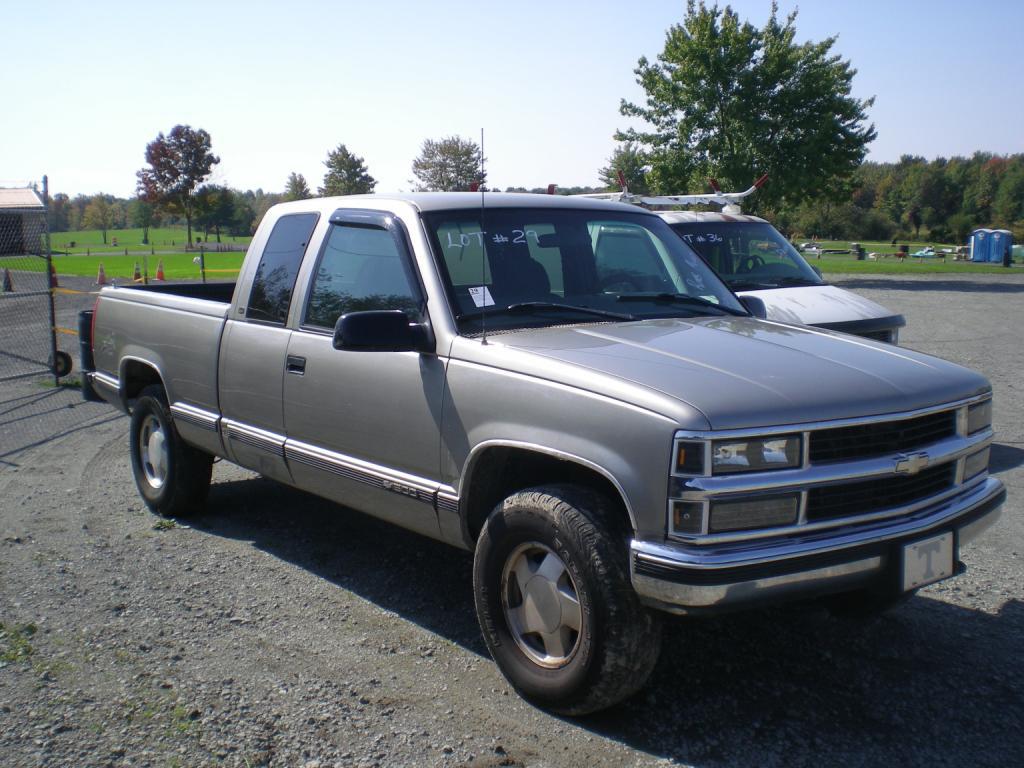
(364, 427)
(252, 354)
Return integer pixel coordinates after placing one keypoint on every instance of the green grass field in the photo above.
(177, 266)
(161, 239)
(887, 263)
(166, 244)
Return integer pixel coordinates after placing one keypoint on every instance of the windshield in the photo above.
(530, 267)
(748, 255)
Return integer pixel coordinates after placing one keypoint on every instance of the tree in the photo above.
(631, 161)
(99, 215)
(143, 214)
(58, 214)
(346, 174)
(730, 101)
(215, 208)
(178, 163)
(296, 187)
(447, 165)
(1008, 205)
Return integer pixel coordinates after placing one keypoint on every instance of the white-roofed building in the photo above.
(22, 219)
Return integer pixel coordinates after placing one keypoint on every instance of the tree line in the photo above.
(724, 100)
(939, 200)
(171, 188)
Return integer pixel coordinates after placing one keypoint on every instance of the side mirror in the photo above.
(384, 330)
(754, 306)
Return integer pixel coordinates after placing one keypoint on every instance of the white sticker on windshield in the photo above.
(712, 299)
(481, 296)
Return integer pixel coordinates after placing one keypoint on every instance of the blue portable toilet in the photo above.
(979, 244)
(999, 241)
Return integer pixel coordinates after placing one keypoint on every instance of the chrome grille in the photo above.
(863, 441)
(878, 494)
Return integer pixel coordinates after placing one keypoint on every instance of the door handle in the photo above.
(296, 365)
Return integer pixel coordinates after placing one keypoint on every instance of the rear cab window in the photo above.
(274, 281)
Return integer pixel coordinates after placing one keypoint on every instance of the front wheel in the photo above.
(172, 477)
(555, 603)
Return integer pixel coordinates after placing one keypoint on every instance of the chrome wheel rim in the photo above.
(541, 605)
(153, 452)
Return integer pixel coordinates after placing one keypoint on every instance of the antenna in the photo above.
(483, 247)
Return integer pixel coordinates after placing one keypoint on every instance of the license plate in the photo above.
(927, 561)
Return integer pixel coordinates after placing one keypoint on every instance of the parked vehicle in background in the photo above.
(564, 388)
(754, 259)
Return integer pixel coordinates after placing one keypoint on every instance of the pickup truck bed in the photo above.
(171, 334)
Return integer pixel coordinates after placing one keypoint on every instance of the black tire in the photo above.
(617, 643)
(177, 484)
(61, 364)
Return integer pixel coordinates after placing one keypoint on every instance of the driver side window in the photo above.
(361, 268)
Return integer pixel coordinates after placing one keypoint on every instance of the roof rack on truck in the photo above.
(731, 202)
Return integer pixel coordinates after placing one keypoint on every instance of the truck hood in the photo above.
(743, 373)
(817, 304)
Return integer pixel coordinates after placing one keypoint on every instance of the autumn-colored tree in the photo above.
(99, 215)
(177, 164)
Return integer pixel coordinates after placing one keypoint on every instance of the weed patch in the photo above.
(14, 643)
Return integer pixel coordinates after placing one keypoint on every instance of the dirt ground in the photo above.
(280, 630)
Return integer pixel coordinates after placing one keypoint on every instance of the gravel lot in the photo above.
(280, 630)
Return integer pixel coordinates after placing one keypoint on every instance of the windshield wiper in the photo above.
(798, 281)
(526, 307)
(681, 298)
(749, 285)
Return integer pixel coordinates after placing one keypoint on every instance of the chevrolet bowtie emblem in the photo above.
(911, 463)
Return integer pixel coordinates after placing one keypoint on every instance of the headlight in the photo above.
(753, 513)
(689, 458)
(975, 464)
(979, 417)
(755, 455)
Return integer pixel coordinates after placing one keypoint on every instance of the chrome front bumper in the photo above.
(689, 579)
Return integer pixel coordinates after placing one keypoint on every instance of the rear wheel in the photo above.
(172, 477)
(555, 603)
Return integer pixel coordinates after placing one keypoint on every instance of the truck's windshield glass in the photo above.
(748, 255)
(532, 258)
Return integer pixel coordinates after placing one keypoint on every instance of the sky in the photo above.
(85, 86)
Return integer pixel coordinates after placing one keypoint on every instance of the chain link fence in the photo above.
(28, 345)
(38, 337)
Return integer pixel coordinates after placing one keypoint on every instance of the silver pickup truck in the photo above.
(612, 439)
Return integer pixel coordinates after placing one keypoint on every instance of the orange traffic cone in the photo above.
(53, 276)
(138, 273)
(8, 283)
(160, 270)
(101, 275)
